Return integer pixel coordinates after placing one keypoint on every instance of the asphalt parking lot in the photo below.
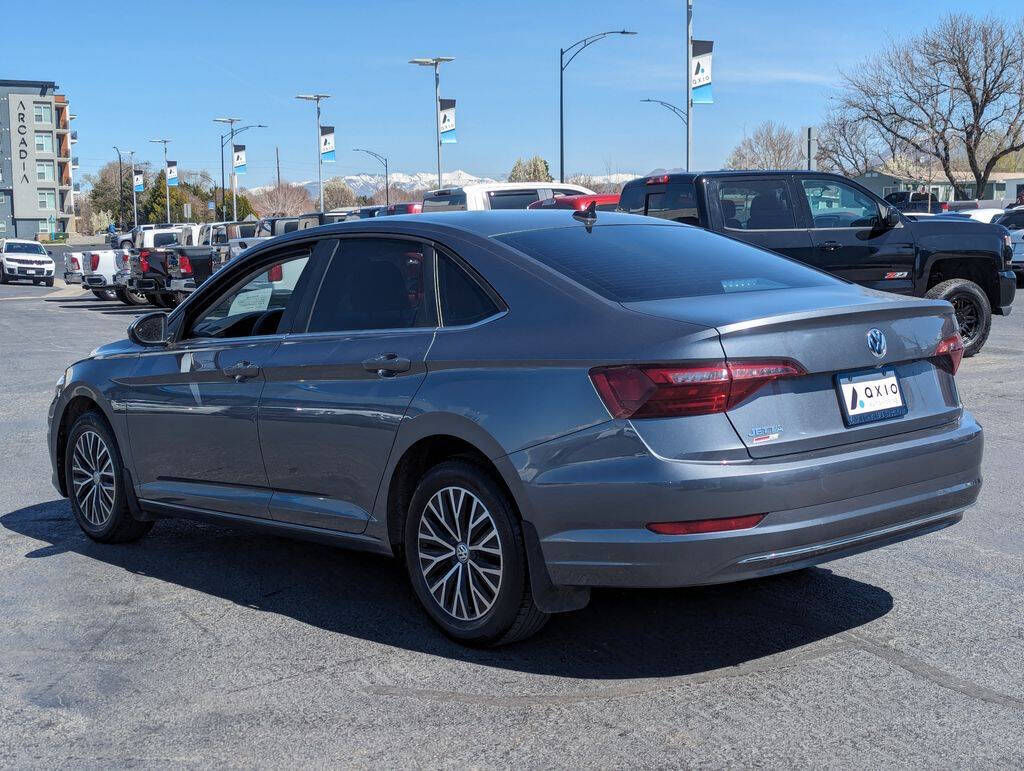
(200, 645)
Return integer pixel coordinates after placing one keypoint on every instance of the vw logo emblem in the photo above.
(462, 552)
(876, 342)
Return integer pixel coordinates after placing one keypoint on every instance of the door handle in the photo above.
(387, 364)
(241, 371)
(831, 246)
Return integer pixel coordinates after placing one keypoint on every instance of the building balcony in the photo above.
(74, 137)
(74, 161)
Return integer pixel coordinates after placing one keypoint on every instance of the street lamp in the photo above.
(679, 112)
(120, 190)
(319, 156)
(224, 138)
(575, 48)
(436, 63)
(167, 187)
(382, 159)
(135, 202)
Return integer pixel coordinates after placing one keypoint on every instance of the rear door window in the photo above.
(463, 299)
(512, 199)
(630, 263)
(677, 202)
(375, 283)
(756, 204)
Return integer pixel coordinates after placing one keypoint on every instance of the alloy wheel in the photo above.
(460, 553)
(968, 317)
(92, 478)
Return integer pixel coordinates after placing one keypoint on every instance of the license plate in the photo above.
(869, 396)
(32, 272)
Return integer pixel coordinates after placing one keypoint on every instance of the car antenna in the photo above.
(588, 216)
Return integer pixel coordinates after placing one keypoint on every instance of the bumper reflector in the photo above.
(706, 525)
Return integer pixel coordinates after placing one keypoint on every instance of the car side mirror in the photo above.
(892, 217)
(149, 330)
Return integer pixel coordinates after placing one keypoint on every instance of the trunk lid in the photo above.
(825, 330)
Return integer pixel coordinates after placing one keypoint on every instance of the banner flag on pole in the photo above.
(238, 159)
(138, 180)
(447, 121)
(700, 74)
(172, 173)
(327, 144)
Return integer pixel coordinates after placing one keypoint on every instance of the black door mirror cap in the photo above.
(892, 217)
(149, 330)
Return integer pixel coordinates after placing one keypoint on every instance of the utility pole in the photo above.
(277, 156)
(689, 80)
(167, 187)
(436, 63)
(135, 201)
(319, 155)
(120, 191)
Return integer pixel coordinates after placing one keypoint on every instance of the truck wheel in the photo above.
(154, 299)
(3, 274)
(973, 312)
(129, 297)
(49, 282)
(104, 294)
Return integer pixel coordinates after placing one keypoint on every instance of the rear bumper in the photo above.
(591, 516)
(147, 284)
(1007, 290)
(72, 278)
(183, 285)
(95, 281)
(121, 278)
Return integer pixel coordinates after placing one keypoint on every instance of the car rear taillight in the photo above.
(275, 274)
(185, 265)
(695, 526)
(944, 206)
(660, 180)
(144, 260)
(94, 261)
(656, 391)
(75, 265)
(951, 349)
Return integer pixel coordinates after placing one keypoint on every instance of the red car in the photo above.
(604, 202)
(405, 208)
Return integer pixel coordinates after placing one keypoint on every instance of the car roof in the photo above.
(679, 175)
(574, 201)
(486, 187)
(19, 241)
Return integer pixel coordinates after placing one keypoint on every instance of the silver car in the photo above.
(525, 405)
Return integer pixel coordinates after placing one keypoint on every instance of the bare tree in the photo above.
(770, 146)
(849, 145)
(954, 93)
(284, 199)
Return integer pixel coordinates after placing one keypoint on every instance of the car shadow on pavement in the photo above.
(635, 634)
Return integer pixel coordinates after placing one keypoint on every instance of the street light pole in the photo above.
(167, 187)
(224, 138)
(436, 63)
(575, 48)
(681, 114)
(689, 80)
(135, 201)
(120, 190)
(382, 159)
(319, 156)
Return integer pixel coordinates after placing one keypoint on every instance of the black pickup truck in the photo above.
(834, 224)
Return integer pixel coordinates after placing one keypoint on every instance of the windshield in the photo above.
(13, 247)
(631, 263)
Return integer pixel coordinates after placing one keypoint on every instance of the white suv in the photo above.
(21, 259)
(496, 195)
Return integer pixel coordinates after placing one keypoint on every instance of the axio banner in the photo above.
(327, 144)
(700, 71)
(172, 173)
(446, 116)
(238, 159)
(138, 180)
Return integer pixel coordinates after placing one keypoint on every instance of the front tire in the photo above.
(972, 308)
(466, 559)
(49, 282)
(94, 475)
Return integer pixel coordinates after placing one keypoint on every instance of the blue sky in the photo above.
(146, 70)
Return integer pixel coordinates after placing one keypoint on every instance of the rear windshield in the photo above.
(512, 199)
(455, 202)
(676, 201)
(163, 239)
(247, 231)
(631, 263)
(16, 248)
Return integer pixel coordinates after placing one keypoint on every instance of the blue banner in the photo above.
(172, 173)
(138, 181)
(327, 144)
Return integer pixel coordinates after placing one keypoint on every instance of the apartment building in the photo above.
(36, 165)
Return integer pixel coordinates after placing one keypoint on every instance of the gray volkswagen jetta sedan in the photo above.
(525, 405)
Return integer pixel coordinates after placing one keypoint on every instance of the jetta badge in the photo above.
(876, 342)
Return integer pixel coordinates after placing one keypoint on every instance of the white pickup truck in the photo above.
(98, 268)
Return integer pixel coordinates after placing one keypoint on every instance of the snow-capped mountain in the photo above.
(368, 184)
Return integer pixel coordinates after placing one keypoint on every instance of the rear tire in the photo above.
(128, 297)
(104, 294)
(466, 559)
(973, 311)
(154, 299)
(94, 474)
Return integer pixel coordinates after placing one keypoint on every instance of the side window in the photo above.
(463, 300)
(255, 305)
(835, 205)
(633, 199)
(374, 283)
(512, 199)
(678, 203)
(757, 204)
